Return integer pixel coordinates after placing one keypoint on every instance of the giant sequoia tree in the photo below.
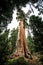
(22, 46)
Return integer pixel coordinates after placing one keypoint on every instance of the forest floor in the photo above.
(36, 59)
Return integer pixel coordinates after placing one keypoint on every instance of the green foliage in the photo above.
(36, 25)
(13, 38)
(31, 44)
(4, 51)
(6, 11)
(7, 6)
(19, 61)
(22, 16)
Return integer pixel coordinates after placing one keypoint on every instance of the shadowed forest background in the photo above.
(8, 44)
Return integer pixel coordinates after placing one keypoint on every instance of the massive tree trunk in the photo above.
(22, 42)
(22, 46)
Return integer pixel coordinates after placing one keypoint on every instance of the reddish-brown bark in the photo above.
(22, 46)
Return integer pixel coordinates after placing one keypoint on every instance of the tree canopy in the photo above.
(36, 24)
(7, 7)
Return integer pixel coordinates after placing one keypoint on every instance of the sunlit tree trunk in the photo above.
(23, 49)
(22, 46)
